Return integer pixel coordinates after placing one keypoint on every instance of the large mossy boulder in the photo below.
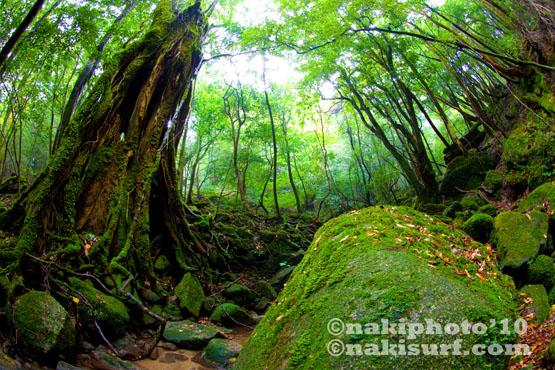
(478, 227)
(378, 264)
(190, 294)
(536, 301)
(221, 352)
(537, 198)
(44, 328)
(109, 312)
(529, 156)
(519, 237)
(465, 173)
(542, 271)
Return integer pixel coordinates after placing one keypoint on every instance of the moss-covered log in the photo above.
(92, 206)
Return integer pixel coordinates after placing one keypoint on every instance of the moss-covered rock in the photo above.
(540, 195)
(465, 173)
(281, 277)
(161, 263)
(470, 204)
(478, 227)
(529, 156)
(519, 236)
(231, 315)
(240, 294)
(452, 209)
(190, 295)
(493, 181)
(219, 352)
(190, 335)
(542, 271)
(488, 209)
(535, 298)
(110, 313)
(389, 263)
(266, 289)
(44, 328)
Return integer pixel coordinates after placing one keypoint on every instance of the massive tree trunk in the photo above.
(114, 172)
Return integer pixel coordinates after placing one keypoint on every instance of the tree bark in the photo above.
(114, 172)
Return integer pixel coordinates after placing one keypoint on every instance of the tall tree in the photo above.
(114, 172)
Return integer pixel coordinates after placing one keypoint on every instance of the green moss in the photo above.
(232, 315)
(539, 305)
(542, 271)
(452, 209)
(44, 327)
(465, 173)
(190, 294)
(493, 180)
(110, 313)
(517, 237)
(488, 209)
(478, 227)
(549, 354)
(538, 197)
(469, 204)
(380, 263)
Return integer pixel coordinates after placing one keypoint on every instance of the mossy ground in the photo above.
(382, 263)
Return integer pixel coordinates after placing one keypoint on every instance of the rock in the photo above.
(266, 290)
(493, 181)
(538, 197)
(518, 237)
(126, 346)
(542, 271)
(488, 209)
(363, 267)
(232, 315)
(45, 329)
(190, 295)
(478, 227)
(149, 320)
(190, 335)
(262, 304)
(240, 294)
(452, 209)
(281, 277)
(150, 296)
(101, 358)
(65, 366)
(540, 302)
(465, 173)
(110, 313)
(220, 351)
(161, 263)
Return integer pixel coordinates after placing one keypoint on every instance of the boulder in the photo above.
(538, 304)
(190, 335)
(383, 263)
(519, 237)
(110, 313)
(478, 227)
(493, 181)
(281, 277)
(542, 271)
(537, 198)
(219, 352)
(44, 328)
(266, 289)
(190, 295)
(465, 173)
(240, 294)
(231, 315)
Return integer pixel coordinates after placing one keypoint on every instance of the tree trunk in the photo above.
(19, 31)
(114, 172)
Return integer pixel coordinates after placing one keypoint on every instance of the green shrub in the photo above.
(453, 208)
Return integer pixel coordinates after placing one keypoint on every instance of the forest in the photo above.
(277, 184)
